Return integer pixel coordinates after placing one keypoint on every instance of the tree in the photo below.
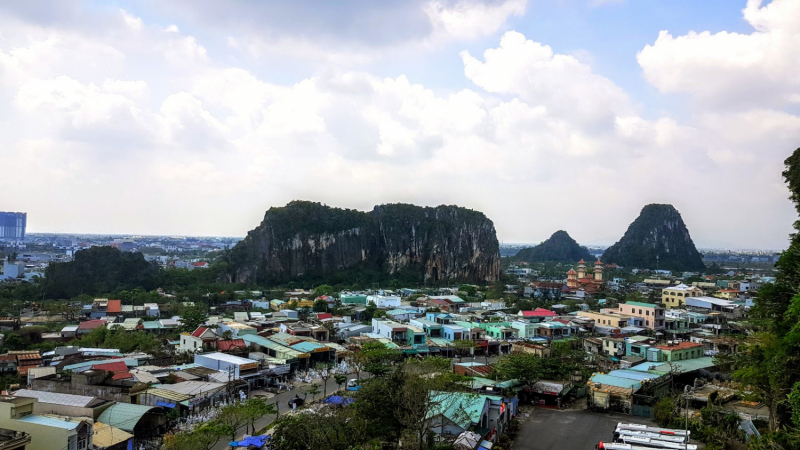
(233, 416)
(256, 408)
(378, 358)
(313, 390)
(324, 289)
(524, 367)
(320, 306)
(340, 379)
(769, 361)
(192, 318)
(326, 429)
(418, 391)
(325, 374)
(204, 437)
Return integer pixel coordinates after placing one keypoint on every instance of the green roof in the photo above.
(463, 409)
(124, 416)
(646, 305)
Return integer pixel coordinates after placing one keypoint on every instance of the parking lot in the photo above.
(548, 429)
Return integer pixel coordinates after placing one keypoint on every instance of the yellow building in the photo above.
(728, 294)
(606, 319)
(47, 431)
(675, 296)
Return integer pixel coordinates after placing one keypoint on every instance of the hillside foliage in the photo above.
(559, 247)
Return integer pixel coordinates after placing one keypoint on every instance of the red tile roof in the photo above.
(199, 331)
(322, 316)
(118, 368)
(200, 264)
(91, 324)
(538, 312)
(680, 346)
(114, 306)
(231, 344)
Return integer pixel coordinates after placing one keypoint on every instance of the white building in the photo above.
(384, 301)
(237, 367)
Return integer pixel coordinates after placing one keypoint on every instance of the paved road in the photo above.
(283, 407)
(548, 429)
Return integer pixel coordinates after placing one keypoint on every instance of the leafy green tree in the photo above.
(320, 306)
(340, 379)
(324, 289)
(14, 341)
(192, 318)
(313, 391)
(233, 417)
(204, 437)
(524, 367)
(99, 270)
(256, 408)
(377, 358)
(769, 362)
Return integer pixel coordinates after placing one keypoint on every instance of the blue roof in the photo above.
(306, 346)
(616, 381)
(633, 374)
(50, 422)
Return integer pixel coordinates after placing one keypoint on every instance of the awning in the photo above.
(165, 404)
(410, 351)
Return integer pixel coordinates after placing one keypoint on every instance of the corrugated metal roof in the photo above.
(170, 395)
(105, 435)
(81, 401)
(124, 416)
(193, 388)
(307, 347)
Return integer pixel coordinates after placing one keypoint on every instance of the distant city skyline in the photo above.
(194, 117)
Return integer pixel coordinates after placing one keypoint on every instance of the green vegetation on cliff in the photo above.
(559, 247)
(97, 270)
(657, 239)
(310, 242)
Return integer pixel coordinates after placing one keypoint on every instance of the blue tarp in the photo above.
(339, 400)
(255, 441)
(165, 404)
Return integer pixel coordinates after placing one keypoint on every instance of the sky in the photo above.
(193, 117)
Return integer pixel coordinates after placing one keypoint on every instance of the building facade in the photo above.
(652, 316)
(675, 296)
(12, 226)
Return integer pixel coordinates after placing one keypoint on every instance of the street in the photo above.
(282, 400)
(548, 429)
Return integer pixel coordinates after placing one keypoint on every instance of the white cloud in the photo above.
(560, 83)
(469, 19)
(726, 69)
(539, 141)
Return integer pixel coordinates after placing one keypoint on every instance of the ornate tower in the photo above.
(572, 279)
(581, 269)
(598, 271)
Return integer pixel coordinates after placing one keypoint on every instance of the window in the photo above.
(640, 311)
(647, 313)
(647, 323)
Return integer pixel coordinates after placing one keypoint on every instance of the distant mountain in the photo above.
(657, 239)
(315, 242)
(559, 247)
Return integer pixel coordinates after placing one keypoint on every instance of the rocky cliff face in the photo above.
(310, 240)
(559, 247)
(657, 239)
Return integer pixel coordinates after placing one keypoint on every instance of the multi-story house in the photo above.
(651, 316)
(675, 296)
